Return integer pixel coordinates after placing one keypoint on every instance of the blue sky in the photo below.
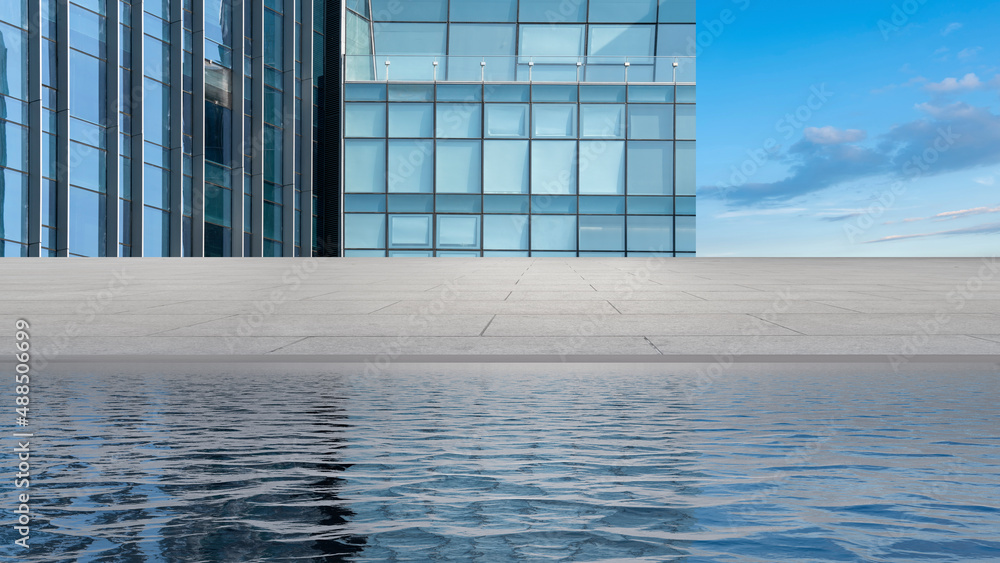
(856, 128)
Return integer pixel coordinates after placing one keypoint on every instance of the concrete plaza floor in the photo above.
(545, 309)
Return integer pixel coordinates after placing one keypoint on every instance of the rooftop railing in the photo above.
(598, 69)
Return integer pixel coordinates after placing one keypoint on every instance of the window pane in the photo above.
(603, 121)
(602, 233)
(364, 120)
(553, 11)
(686, 94)
(554, 121)
(459, 93)
(505, 232)
(457, 231)
(685, 205)
(366, 172)
(14, 145)
(505, 203)
(88, 167)
(650, 205)
(364, 92)
(13, 206)
(409, 231)
(156, 59)
(411, 92)
(632, 41)
(686, 236)
(156, 187)
(411, 166)
(505, 167)
(459, 120)
(156, 112)
(15, 63)
(677, 11)
(358, 48)
(273, 46)
(411, 120)
(364, 231)
(470, 44)
(411, 48)
(507, 120)
(553, 204)
(508, 93)
(541, 41)
(686, 168)
(155, 232)
(411, 203)
(359, 6)
(686, 121)
(650, 121)
(459, 203)
(410, 10)
(623, 11)
(553, 168)
(650, 168)
(650, 233)
(484, 11)
(602, 167)
(218, 21)
(676, 40)
(602, 205)
(602, 94)
(88, 96)
(553, 93)
(87, 31)
(364, 203)
(459, 167)
(86, 222)
(553, 232)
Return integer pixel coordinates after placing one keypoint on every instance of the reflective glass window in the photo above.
(458, 203)
(156, 112)
(546, 41)
(15, 70)
(650, 233)
(411, 203)
(359, 6)
(505, 232)
(607, 94)
(155, 232)
(505, 203)
(650, 121)
(160, 8)
(156, 187)
(364, 92)
(13, 205)
(273, 151)
(650, 168)
(87, 220)
(686, 94)
(459, 120)
(411, 166)
(686, 236)
(459, 167)
(508, 93)
(554, 93)
(409, 231)
(410, 254)
(273, 52)
(553, 204)
(676, 40)
(650, 94)
(88, 167)
(88, 96)
(602, 121)
(13, 145)
(364, 203)
(507, 120)
(686, 168)
(650, 205)
(411, 92)
(459, 93)
(366, 169)
(87, 32)
(218, 205)
(410, 10)
(686, 121)
(410, 48)
(554, 121)
(632, 41)
(364, 230)
(411, 120)
(273, 215)
(484, 11)
(218, 21)
(364, 120)
(505, 167)
(553, 11)
(553, 232)
(602, 205)
(364, 253)
(457, 231)
(15, 12)
(602, 167)
(627, 11)
(602, 233)
(677, 11)
(685, 205)
(470, 45)
(359, 62)
(553, 169)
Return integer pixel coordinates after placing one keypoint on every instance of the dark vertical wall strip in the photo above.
(327, 184)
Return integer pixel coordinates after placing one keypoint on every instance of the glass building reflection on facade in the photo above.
(449, 128)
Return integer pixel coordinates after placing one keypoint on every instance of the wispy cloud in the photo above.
(960, 214)
(916, 80)
(968, 53)
(951, 28)
(833, 136)
(967, 83)
(985, 181)
(760, 212)
(984, 229)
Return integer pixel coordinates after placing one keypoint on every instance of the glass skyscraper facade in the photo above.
(362, 128)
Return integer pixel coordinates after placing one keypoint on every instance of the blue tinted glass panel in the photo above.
(156, 187)
(364, 231)
(686, 121)
(650, 205)
(676, 40)
(411, 166)
(459, 204)
(617, 41)
(364, 253)
(88, 167)
(553, 11)
(650, 168)
(505, 167)
(363, 203)
(409, 231)
(554, 121)
(472, 44)
(602, 205)
(156, 59)
(650, 94)
(364, 120)
(650, 233)
(15, 75)
(590, 93)
(14, 144)
(156, 112)
(364, 92)
(677, 11)
(359, 6)
(459, 120)
(685, 205)
(411, 120)
(273, 47)
(15, 12)
(507, 120)
(459, 93)
(13, 205)
(411, 48)
(686, 168)
(602, 233)
(88, 99)
(459, 167)
(626, 11)
(650, 121)
(87, 31)
(507, 93)
(553, 169)
(218, 205)
(553, 93)
(365, 166)
(602, 167)
(506, 254)
(604, 121)
(686, 94)
(155, 232)
(505, 203)
(410, 10)
(505, 232)
(553, 204)
(219, 21)
(455, 231)
(411, 203)
(543, 42)
(686, 237)
(458, 254)
(410, 254)
(553, 232)
(484, 11)
(411, 92)
(86, 222)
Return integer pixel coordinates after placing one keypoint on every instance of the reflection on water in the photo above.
(515, 463)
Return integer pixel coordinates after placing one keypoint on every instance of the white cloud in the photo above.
(951, 28)
(830, 135)
(969, 52)
(758, 212)
(987, 181)
(965, 84)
